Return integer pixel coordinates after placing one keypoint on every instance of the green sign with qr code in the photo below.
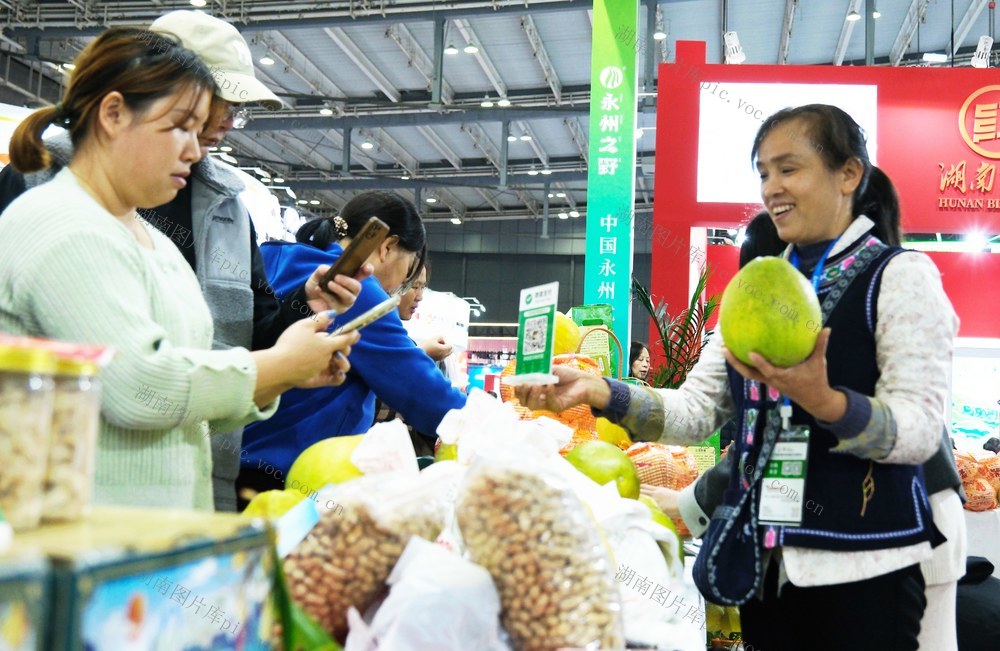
(536, 328)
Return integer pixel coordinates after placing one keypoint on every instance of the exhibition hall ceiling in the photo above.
(360, 76)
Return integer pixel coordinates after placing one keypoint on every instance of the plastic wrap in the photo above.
(557, 586)
(346, 558)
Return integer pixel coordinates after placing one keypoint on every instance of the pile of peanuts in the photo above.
(346, 559)
(25, 417)
(556, 583)
(68, 481)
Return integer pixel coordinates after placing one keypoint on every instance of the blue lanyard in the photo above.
(817, 278)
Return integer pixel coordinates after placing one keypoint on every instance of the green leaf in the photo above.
(299, 631)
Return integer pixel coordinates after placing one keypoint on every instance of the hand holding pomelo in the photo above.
(770, 308)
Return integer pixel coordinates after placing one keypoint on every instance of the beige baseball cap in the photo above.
(224, 50)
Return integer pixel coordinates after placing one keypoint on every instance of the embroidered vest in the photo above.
(835, 515)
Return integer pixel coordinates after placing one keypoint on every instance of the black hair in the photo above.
(634, 351)
(761, 238)
(837, 138)
(401, 216)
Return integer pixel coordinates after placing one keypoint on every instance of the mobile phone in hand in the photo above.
(370, 316)
(361, 247)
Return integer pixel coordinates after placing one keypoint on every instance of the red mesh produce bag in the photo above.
(990, 467)
(579, 418)
(981, 495)
(671, 466)
(968, 468)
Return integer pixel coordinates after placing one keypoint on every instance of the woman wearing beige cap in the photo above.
(210, 225)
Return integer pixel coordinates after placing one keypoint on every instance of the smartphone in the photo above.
(372, 315)
(361, 246)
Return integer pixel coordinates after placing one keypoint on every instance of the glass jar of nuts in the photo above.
(26, 395)
(76, 415)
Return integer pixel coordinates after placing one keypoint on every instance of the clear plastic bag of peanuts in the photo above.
(363, 527)
(521, 520)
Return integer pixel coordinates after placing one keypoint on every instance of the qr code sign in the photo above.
(535, 330)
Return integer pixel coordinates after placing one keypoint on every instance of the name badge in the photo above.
(783, 486)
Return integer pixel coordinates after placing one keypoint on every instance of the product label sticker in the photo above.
(783, 486)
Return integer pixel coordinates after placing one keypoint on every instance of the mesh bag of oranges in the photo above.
(671, 466)
(579, 418)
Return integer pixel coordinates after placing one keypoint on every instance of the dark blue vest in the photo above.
(898, 513)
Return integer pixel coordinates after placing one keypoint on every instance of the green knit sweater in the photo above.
(71, 271)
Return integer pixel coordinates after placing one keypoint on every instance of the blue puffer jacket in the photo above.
(385, 362)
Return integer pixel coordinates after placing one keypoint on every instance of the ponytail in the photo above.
(27, 151)
(321, 233)
(880, 203)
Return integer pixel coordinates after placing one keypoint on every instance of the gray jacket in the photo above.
(221, 236)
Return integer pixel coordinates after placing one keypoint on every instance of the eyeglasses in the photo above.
(239, 114)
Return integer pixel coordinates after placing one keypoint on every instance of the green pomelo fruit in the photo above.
(771, 309)
(272, 504)
(660, 517)
(447, 452)
(325, 462)
(604, 462)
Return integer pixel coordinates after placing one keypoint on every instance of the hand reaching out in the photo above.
(340, 293)
(575, 387)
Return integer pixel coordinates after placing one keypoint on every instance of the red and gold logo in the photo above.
(978, 121)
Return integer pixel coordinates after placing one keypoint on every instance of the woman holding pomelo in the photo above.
(871, 395)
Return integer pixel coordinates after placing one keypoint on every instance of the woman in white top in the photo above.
(78, 265)
(843, 571)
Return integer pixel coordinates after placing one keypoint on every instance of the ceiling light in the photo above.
(367, 145)
(229, 159)
(314, 202)
(511, 138)
(225, 148)
(526, 138)
(487, 102)
(935, 57)
(456, 221)
(302, 202)
(262, 172)
(574, 213)
(213, 149)
(563, 215)
(876, 14)
(981, 59)
(853, 16)
(290, 193)
(451, 49)
(265, 61)
(278, 179)
(198, 3)
(405, 177)
(431, 200)
(561, 195)
(551, 195)
(326, 110)
(471, 49)
(503, 102)
(639, 133)
(69, 66)
(532, 172)
(659, 36)
(734, 51)
(265, 180)
(546, 172)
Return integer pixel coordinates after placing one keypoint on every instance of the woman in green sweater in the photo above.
(79, 265)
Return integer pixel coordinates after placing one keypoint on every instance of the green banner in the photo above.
(611, 173)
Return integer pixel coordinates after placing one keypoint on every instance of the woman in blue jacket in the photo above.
(384, 363)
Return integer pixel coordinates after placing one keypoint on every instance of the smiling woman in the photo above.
(134, 107)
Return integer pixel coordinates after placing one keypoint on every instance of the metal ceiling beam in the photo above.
(354, 53)
(845, 33)
(482, 142)
(518, 182)
(907, 30)
(465, 29)
(534, 144)
(418, 59)
(266, 123)
(441, 146)
(297, 63)
(968, 20)
(62, 21)
(786, 30)
(579, 138)
(542, 57)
